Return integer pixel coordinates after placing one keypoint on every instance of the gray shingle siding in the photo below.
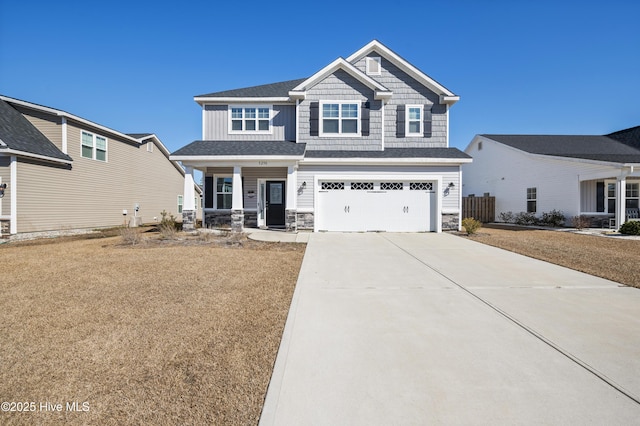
(341, 86)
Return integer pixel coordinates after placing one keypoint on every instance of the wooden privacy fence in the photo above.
(479, 208)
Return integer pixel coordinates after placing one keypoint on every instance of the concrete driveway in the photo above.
(402, 329)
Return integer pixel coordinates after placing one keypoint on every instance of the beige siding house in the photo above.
(65, 172)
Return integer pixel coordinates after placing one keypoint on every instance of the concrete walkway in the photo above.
(414, 329)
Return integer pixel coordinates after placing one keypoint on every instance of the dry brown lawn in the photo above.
(157, 333)
(614, 258)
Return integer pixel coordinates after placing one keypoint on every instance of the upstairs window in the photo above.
(373, 65)
(340, 118)
(93, 146)
(414, 120)
(250, 119)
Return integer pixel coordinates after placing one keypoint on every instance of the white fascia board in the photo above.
(414, 72)
(202, 100)
(449, 100)
(37, 156)
(65, 114)
(387, 161)
(340, 63)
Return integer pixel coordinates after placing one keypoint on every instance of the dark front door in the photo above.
(275, 203)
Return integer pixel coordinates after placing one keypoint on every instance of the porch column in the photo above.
(188, 201)
(621, 200)
(237, 208)
(291, 199)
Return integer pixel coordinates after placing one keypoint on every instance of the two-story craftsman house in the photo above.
(361, 145)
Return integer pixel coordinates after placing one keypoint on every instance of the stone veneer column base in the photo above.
(188, 220)
(237, 220)
(290, 221)
(449, 222)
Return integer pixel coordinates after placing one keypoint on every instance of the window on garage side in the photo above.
(340, 118)
(414, 120)
(391, 186)
(361, 186)
(532, 200)
(332, 186)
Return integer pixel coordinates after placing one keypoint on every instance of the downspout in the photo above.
(64, 135)
(460, 197)
(297, 120)
(383, 103)
(13, 226)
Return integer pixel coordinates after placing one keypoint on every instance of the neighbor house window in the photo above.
(632, 196)
(180, 203)
(224, 192)
(414, 120)
(532, 200)
(340, 118)
(93, 146)
(373, 65)
(611, 197)
(250, 119)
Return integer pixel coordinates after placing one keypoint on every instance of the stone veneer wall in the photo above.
(305, 221)
(215, 219)
(5, 227)
(449, 222)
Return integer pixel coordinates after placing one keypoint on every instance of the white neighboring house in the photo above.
(361, 145)
(594, 176)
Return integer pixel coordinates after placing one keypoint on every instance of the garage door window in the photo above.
(332, 186)
(391, 186)
(421, 186)
(361, 186)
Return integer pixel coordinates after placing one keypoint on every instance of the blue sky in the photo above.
(548, 67)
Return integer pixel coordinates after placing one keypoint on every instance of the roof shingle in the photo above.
(249, 148)
(273, 90)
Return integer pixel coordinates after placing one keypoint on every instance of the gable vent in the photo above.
(373, 65)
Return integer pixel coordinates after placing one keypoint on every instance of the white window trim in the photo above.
(215, 190)
(407, 121)
(249, 132)
(94, 147)
(180, 204)
(373, 59)
(358, 119)
(607, 182)
(535, 188)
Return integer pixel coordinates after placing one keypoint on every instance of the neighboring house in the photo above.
(64, 172)
(595, 176)
(361, 145)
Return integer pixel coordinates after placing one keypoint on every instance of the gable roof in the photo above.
(18, 136)
(446, 96)
(588, 147)
(381, 92)
(629, 136)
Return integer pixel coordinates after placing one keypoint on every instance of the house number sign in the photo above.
(262, 163)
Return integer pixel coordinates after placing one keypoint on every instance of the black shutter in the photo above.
(208, 192)
(364, 120)
(314, 118)
(600, 196)
(427, 121)
(400, 113)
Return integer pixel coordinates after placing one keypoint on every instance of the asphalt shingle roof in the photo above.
(630, 137)
(453, 153)
(273, 90)
(20, 135)
(600, 148)
(227, 148)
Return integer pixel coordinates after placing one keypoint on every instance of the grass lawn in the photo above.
(613, 258)
(156, 333)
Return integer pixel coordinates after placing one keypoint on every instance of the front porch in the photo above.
(609, 201)
(248, 195)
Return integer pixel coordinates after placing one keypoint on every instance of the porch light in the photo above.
(2, 188)
(451, 185)
(304, 184)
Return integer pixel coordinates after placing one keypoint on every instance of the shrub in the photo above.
(630, 228)
(580, 222)
(471, 225)
(506, 217)
(554, 218)
(525, 218)
(168, 226)
(130, 235)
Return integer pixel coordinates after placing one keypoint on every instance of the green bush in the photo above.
(471, 225)
(554, 218)
(630, 228)
(525, 218)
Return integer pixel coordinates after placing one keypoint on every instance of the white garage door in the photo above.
(367, 205)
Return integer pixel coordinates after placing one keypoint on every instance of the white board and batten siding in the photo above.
(506, 173)
(5, 177)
